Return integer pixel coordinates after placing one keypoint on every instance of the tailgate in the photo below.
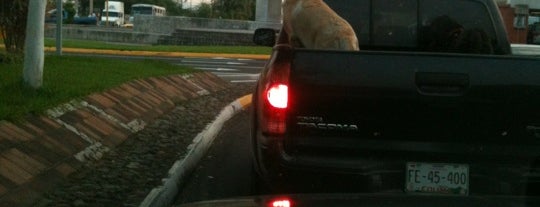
(414, 97)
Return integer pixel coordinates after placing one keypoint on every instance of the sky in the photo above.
(194, 3)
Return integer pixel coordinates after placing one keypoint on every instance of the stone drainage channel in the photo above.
(138, 172)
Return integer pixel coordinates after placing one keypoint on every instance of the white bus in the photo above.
(146, 9)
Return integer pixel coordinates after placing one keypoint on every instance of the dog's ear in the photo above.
(442, 34)
(475, 41)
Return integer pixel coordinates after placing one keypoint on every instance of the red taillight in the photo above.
(275, 95)
(278, 96)
(281, 203)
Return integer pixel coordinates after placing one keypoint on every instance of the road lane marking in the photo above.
(217, 69)
(235, 63)
(243, 81)
(237, 73)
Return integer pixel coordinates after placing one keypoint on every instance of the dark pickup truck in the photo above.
(433, 103)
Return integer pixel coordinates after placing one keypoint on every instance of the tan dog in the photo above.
(313, 24)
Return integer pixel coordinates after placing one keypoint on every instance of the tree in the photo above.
(69, 7)
(13, 14)
(34, 41)
(238, 9)
(204, 10)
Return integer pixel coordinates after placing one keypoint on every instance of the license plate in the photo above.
(437, 178)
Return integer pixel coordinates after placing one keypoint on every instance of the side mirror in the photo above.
(265, 37)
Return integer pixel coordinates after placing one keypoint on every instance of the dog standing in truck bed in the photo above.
(313, 24)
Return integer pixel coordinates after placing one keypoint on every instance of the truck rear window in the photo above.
(463, 26)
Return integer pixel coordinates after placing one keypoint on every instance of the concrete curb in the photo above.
(164, 195)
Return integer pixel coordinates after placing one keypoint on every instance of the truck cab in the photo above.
(113, 14)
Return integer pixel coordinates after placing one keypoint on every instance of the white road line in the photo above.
(231, 73)
(200, 61)
(258, 68)
(209, 62)
(243, 81)
(217, 69)
(235, 63)
(249, 77)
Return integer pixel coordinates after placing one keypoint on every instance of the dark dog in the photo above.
(447, 35)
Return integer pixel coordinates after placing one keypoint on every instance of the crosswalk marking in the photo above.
(229, 69)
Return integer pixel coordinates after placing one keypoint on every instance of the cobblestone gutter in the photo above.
(41, 152)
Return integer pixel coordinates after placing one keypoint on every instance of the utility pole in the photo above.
(34, 56)
(107, 13)
(59, 19)
(91, 8)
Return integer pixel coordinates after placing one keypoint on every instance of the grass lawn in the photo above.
(70, 77)
(49, 42)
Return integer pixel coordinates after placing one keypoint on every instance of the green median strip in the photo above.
(86, 44)
(69, 77)
(157, 54)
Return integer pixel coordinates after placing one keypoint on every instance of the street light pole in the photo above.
(107, 13)
(91, 8)
(34, 46)
(59, 18)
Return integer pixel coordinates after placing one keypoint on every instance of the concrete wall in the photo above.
(151, 29)
(209, 37)
(169, 24)
(268, 11)
(103, 34)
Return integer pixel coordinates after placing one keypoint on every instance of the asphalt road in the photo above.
(234, 70)
(225, 172)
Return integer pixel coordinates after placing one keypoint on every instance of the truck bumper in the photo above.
(383, 171)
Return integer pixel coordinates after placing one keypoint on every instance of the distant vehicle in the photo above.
(51, 18)
(533, 36)
(146, 9)
(113, 13)
(85, 20)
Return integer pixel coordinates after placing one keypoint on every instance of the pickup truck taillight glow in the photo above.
(276, 94)
(275, 109)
